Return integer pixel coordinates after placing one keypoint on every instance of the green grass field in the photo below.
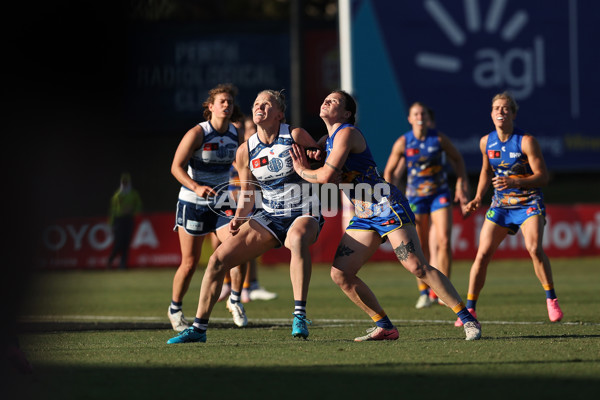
(102, 334)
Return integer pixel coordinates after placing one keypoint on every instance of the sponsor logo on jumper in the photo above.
(259, 162)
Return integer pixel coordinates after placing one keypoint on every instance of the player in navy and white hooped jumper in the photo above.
(386, 215)
(201, 163)
(514, 165)
(283, 218)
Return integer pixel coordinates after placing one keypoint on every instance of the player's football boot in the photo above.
(378, 333)
(262, 294)
(190, 335)
(225, 292)
(178, 321)
(237, 312)
(299, 328)
(472, 330)
(424, 301)
(458, 322)
(554, 312)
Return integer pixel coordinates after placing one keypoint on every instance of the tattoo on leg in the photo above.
(403, 250)
(343, 250)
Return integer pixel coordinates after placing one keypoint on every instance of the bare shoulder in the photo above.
(242, 153)
(443, 138)
(529, 144)
(483, 142)
(302, 137)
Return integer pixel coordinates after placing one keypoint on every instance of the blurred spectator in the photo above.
(125, 204)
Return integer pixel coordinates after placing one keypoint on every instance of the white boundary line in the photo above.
(320, 321)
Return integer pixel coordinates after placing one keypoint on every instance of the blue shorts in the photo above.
(388, 221)
(199, 220)
(429, 204)
(512, 218)
(279, 225)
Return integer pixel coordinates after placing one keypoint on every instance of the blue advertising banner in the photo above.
(172, 67)
(455, 56)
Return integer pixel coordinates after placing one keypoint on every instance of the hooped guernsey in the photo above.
(283, 190)
(210, 164)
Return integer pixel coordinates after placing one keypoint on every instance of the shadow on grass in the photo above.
(543, 337)
(78, 326)
(398, 381)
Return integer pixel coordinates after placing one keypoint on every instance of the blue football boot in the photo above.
(188, 335)
(299, 328)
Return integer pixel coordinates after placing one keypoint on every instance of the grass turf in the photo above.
(102, 334)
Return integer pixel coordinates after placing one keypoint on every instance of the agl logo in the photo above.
(518, 69)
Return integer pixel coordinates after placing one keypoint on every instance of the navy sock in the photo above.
(300, 307)
(175, 306)
(465, 316)
(200, 325)
(234, 297)
(384, 323)
(471, 304)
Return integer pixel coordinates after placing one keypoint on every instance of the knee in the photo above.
(536, 252)
(188, 264)
(444, 243)
(216, 264)
(299, 239)
(339, 277)
(421, 270)
(418, 269)
(484, 257)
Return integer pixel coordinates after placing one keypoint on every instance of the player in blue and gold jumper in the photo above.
(514, 165)
(421, 153)
(285, 217)
(381, 212)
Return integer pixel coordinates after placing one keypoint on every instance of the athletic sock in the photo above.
(423, 289)
(175, 306)
(472, 300)
(254, 285)
(300, 307)
(234, 297)
(550, 293)
(200, 325)
(382, 321)
(462, 313)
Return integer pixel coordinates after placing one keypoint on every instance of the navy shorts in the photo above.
(279, 225)
(199, 220)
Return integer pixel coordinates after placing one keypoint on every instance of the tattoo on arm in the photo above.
(309, 176)
(343, 250)
(332, 166)
(403, 250)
